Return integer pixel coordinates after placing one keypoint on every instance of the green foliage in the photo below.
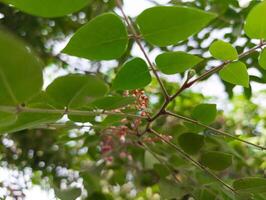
(14, 73)
(68, 194)
(176, 62)
(223, 50)
(78, 90)
(235, 73)
(216, 160)
(134, 74)
(255, 26)
(191, 142)
(262, 59)
(161, 25)
(149, 136)
(250, 185)
(102, 38)
(48, 8)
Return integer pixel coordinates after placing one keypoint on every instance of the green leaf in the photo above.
(235, 73)
(7, 118)
(165, 26)
(191, 143)
(133, 75)
(176, 62)
(20, 71)
(48, 8)
(205, 113)
(223, 50)
(103, 38)
(149, 160)
(216, 160)
(255, 26)
(262, 58)
(68, 194)
(169, 189)
(251, 185)
(76, 90)
(113, 102)
(28, 120)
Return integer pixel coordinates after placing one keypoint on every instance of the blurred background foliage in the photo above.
(55, 157)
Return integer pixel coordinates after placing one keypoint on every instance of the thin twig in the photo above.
(163, 162)
(138, 41)
(13, 109)
(194, 162)
(213, 129)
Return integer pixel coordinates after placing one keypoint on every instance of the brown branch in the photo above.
(138, 41)
(213, 129)
(194, 162)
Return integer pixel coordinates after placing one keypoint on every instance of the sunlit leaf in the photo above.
(164, 26)
(262, 58)
(223, 50)
(48, 8)
(103, 38)
(235, 73)
(176, 62)
(133, 75)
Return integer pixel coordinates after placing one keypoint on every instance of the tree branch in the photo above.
(194, 162)
(213, 129)
(138, 41)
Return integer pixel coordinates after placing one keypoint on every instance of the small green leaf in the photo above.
(223, 50)
(251, 184)
(216, 160)
(169, 189)
(176, 62)
(191, 143)
(149, 160)
(103, 38)
(262, 58)
(255, 26)
(133, 75)
(205, 113)
(68, 194)
(75, 90)
(48, 8)
(114, 102)
(235, 73)
(20, 71)
(169, 25)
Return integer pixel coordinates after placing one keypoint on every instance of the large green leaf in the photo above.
(255, 26)
(113, 102)
(216, 160)
(133, 75)
(262, 58)
(223, 50)
(32, 119)
(191, 142)
(7, 118)
(169, 189)
(103, 38)
(48, 8)
(149, 160)
(176, 62)
(251, 184)
(20, 71)
(68, 194)
(75, 90)
(164, 26)
(235, 73)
